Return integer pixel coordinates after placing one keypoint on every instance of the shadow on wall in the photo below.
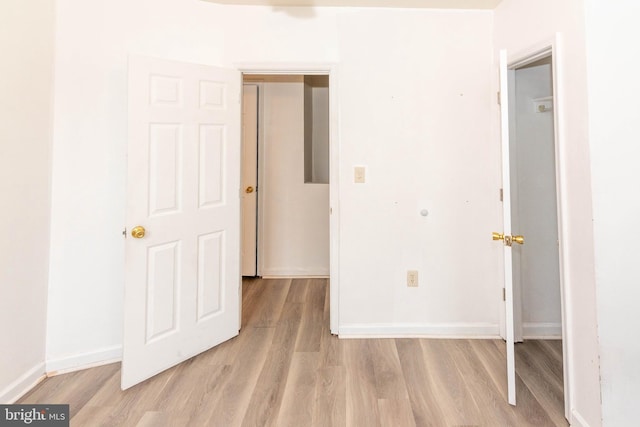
(303, 9)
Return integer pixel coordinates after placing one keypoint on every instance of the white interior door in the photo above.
(249, 179)
(506, 233)
(182, 279)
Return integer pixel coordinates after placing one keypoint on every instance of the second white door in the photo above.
(182, 274)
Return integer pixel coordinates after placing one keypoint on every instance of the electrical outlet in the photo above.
(412, 278)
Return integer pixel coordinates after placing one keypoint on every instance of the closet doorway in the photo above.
(535, 214)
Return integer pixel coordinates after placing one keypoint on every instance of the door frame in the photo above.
(275, 68)
(553, 47)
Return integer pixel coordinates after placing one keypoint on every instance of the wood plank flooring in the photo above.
(286, 369)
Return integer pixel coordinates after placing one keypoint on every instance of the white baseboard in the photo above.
(86, 360)
(420, 330)
(274, 273)
(540, 330)
(577, 420)
(23, 384)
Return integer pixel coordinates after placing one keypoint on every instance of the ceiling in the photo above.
(427, 4)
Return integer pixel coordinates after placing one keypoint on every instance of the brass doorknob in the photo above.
(249, 190)
(508, 240)
(138, 232)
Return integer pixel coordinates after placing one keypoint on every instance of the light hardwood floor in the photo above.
(286, 369)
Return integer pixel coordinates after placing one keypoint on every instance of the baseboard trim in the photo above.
(539, 330)
(77, 362)
(23, 384)
(304, 276)
(577, 420)
(420, 330)
(293, 274)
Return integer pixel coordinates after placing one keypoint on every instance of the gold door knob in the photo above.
(508, 240)
(138, 232)
(249, 190)
(497, 236)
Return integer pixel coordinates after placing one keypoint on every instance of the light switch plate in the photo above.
(412, 278)
(359, 174)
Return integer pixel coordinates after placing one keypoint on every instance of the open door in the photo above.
(250, 179)
(182, 274)
(506, 236)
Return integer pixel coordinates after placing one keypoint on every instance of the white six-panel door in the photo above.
(182, 279)
(506, 209)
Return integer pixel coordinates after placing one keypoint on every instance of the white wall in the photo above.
(294, 215)
(535, 205)
(613, 67)
(26, 67)
(520, 25)
(415, 107)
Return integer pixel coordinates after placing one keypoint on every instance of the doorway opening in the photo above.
(538, 311)
(252, 74)
(536, 272)
(294, 188)
(285, 174)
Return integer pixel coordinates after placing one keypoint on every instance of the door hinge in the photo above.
(504, 294)
(501, 195)
(499, 101)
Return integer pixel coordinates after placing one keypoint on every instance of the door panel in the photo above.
(182, 278)
(210, 274)
(506, 214)
(162, 286)
(212, 168)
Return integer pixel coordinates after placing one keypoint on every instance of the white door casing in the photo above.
(506, 214)
(250, 95)
(182, 279)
